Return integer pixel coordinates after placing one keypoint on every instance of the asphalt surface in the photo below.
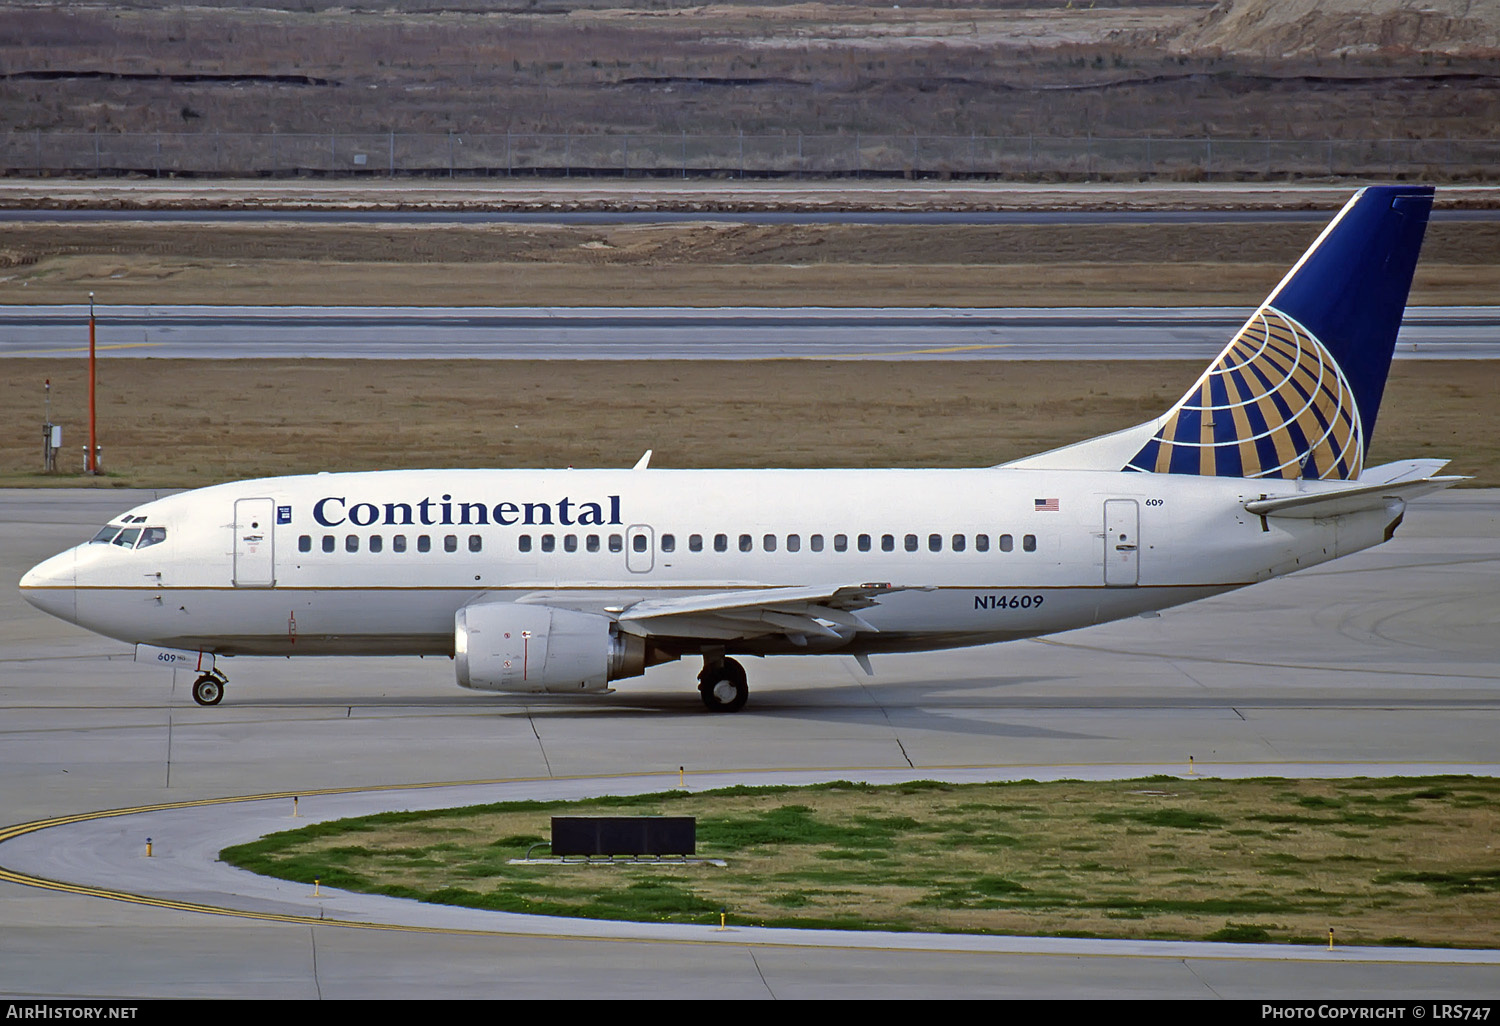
(662, 333)
(1383, 662)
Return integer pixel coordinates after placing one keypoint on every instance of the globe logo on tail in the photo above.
(1274, 404)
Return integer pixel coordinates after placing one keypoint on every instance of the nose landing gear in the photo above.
(209, 688)
(723, 686)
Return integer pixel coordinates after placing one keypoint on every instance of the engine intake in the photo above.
(505, 646)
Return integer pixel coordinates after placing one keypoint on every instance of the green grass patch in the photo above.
(1250, 860)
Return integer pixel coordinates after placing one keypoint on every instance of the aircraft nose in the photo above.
(50, 585)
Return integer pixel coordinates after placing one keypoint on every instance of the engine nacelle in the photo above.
(505, 646)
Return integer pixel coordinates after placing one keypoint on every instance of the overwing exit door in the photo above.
(639, 548)
(254, 545)
(1122, 555)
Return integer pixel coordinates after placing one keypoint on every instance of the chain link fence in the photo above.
(836, 155)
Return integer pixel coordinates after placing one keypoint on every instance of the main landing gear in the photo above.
(209, 688)
(722, 685)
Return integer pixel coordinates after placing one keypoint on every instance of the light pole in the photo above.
(91, 458)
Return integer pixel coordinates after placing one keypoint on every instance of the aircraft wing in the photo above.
(1342, 501)
(797, 612)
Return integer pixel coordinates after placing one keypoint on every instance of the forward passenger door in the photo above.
(254, 543)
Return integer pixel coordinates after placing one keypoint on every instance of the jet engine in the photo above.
(505, 646)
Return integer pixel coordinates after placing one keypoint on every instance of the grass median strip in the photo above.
(1382, 861)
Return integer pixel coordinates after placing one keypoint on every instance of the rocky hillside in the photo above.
(1338, 28)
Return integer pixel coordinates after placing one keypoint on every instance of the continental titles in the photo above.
(334, 510)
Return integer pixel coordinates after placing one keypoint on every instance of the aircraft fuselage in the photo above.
(380, 563)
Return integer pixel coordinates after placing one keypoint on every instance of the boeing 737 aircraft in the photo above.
(561, 581)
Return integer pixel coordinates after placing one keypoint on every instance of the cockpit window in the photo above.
(130, 537)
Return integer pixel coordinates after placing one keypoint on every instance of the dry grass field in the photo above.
(186, 422)
(196, 422)
(697, 264)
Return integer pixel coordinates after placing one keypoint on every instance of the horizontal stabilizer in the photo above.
(1402, 470)
(1344, 501)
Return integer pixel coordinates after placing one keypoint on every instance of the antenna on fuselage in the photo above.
(641, 463)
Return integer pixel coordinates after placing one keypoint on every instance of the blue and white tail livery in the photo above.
(1295, 393)
(564, 581)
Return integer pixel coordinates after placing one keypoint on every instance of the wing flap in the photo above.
(796, 612)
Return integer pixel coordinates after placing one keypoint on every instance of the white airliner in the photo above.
(562, 581)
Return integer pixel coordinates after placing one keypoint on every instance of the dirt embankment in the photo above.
(1258, 69)
(1344, 28)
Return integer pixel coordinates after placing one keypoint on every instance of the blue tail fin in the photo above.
(1296, 393)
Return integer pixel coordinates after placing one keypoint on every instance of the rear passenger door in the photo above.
(1122, 557)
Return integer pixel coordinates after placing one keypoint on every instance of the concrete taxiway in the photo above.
(1386, 661)
(677, 333)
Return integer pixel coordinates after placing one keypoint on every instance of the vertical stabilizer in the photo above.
(1295, 394)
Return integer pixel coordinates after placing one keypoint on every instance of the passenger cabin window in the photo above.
(746, 543)
(523, 543)
(981, 543)
(450, 543)
(549, 543)
(570, 543)
(638, 543)
(864, 543)
(476, 542)
(794, 543)
(304, 543)
(1007, 543)
(934, 543)
(328, 543)
(668, 543)
(616, 543)
(911, 543)
(815, 543)
(424, 543)
(721, 543)
(769, 543)
(841, 543)
(398, 543)
(377, 543)
(695, 543)
(1028, 543)
(959, 543)
(887, 543)
(592, 544)
(351, 543)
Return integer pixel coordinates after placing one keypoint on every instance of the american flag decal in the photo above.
(1046, 505)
